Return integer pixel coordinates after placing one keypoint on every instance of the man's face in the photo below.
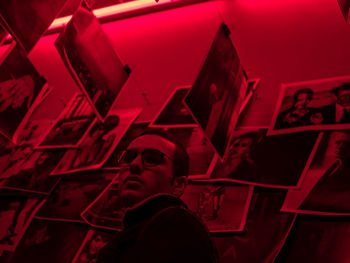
(344, 98)
(138, 181)
(302, 100)
(241, 148)
(342, 145)
(44, 156)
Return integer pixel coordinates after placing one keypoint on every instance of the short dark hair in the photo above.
(181, 158)
(344, 86)
(307, 91)
(254, 136)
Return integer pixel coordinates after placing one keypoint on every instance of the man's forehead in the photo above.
(153, 141)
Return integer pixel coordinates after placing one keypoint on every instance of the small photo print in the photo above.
(99, 143)
(223, 208)
(174, 113)
(91, 59)
(271, 161)
(326, 187)
(313, 105)
(71, 126)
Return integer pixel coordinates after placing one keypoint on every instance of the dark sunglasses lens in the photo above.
(127, 157)
(153, 157)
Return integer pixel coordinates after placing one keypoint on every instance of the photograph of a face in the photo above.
(16, 213)
(322, 104)
(21, 91)
(326, 188)
(73, 194)
(216, 96)
(253, 158)
(174, 113)
(223, 208)
(91, 59)
(71, 126)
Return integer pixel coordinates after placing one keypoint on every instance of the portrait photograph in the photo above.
(264, 234)
(27, 21)
(174, 113)
(320, 239)
(21, 91)
(70, 127)
(99, 143)
(33, 176)
(94, 241)
(73, 194)
(50, 241)
(16, 213)
(326, 187)
(33, 131)
(322, 104)
(222, 207)
(217, 94)
(91, 59)
(253, 158)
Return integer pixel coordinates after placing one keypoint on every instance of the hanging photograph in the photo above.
(71, 126)
(174, 113)
(34, 173)
(322, 104)
(264, 234)
(27, 21)
(99, 143)
(16, 213)
(253, 158)
(252, 86)
(91, 59)
(73, 194)
(326, 187)
(216, 96)
(223, 208)
(32, 132)
(21, 91)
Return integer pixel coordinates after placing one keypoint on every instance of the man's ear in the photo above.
(179, 185)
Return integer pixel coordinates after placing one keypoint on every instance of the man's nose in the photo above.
(136, 166)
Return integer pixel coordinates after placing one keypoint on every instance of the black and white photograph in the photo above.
(71, 126)
(322, 104)
(99, 143)
(216, 96)
(21, 91)
(73, 194)
(174, 113)
(91, 59)
(33, 175)
(222, 207)
(16, 213)
(33, 131)
(326, 188)
(253, 158)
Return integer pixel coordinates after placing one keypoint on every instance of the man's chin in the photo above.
(131, 197)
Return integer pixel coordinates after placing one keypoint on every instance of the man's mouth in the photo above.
(133, 179)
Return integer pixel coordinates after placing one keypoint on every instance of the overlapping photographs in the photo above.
(223, 208)
(253, 158)
(16, 214)
(49, 241)
(252, 86)
(265, 232)
(317, 239)
(21, 91)
(326, 188)
(33, 131)
(216, 96)
(174, 113)
(86, 51)
(94, 241)
(73, 194)
(33, 175)
(28, 20)
(313, 105)
(98, 145)
(71, 126)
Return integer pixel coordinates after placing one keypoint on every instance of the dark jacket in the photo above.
(160, 230)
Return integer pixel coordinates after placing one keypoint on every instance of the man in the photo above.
(332, 192)
(338, 112)
(299, 114)
(157, 226)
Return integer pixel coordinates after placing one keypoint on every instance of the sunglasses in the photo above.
(150, 157)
